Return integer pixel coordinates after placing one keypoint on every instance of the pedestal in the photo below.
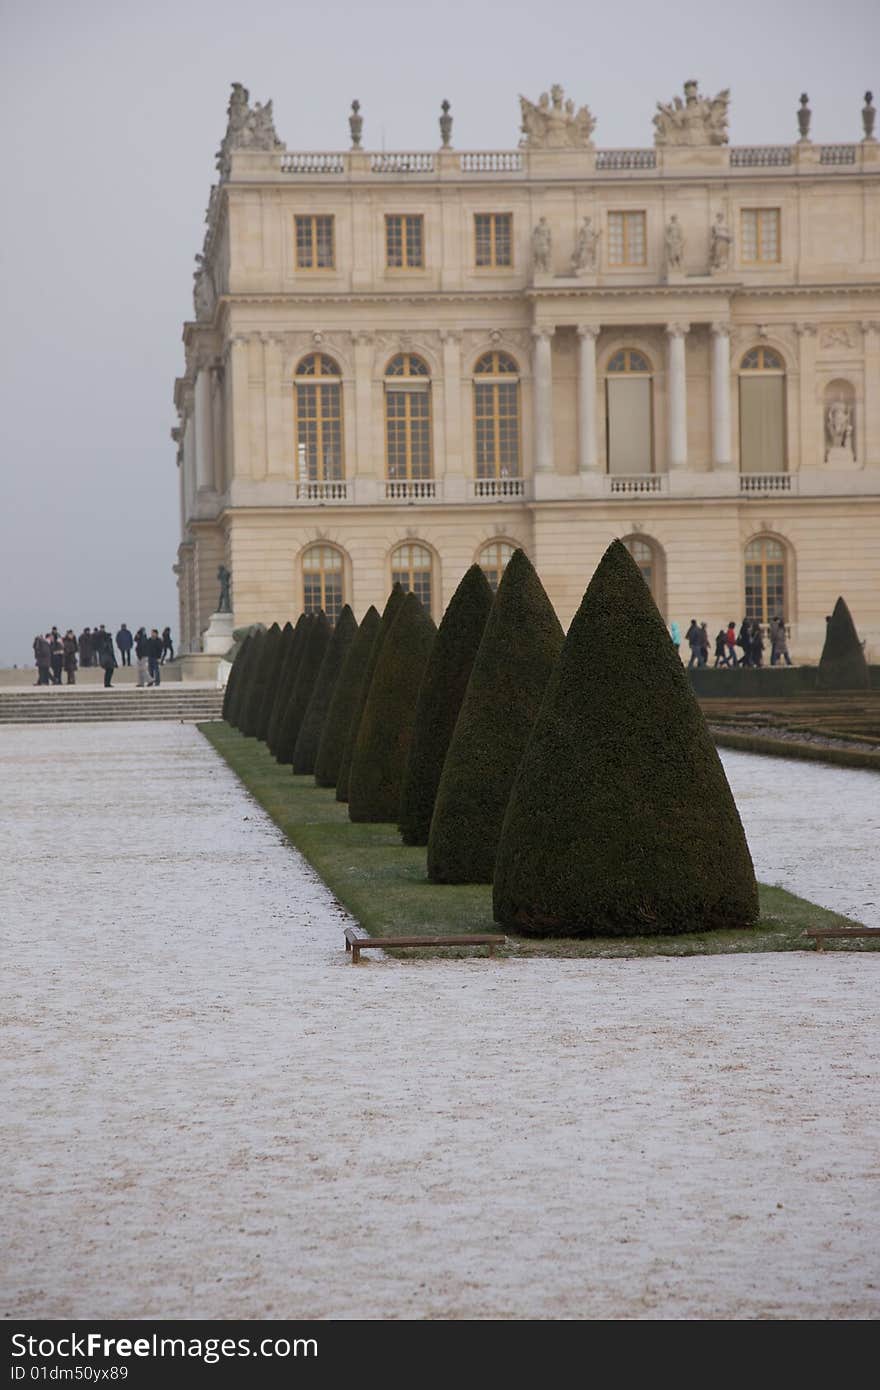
(217, 637)
(840, 457)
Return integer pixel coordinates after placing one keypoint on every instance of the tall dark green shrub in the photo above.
(389, 613)
(385, 733)
(276, 662)
(520, 646)
(286, 678)
(306, 747)
(250, 715)
(314, 647)
(842, 665)
(621, 821)
(345, 697)
(242, 685)
(445, 682)
(234, 680)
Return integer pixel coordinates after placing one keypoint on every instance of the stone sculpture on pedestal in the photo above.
(586, 249)
(553, 123)
(697, 120)
(720, 244)
(674, 244)
(839, 428)
(542, 245)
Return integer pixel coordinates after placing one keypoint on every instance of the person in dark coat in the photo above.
(56, 651)
(71, 647)
(167, 644)
(694, 639)
(108, 661)
(85, 647)
(100, 636)
(154, 655)
(42, 658)
(124, 643)
(757, 647)
(140, 650)
(745, 641)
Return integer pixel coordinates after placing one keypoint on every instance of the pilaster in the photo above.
(588, 456)
(543, 398)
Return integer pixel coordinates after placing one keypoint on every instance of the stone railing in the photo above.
(760, 156)
(424, 490)
(751, 484)
(837, 154)
(635, 484)
(497, 489)
(491, 162)
(321, 493)
(406, 163)
(313, 164)
(626, 159)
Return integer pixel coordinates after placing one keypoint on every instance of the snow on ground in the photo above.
(194, 1074)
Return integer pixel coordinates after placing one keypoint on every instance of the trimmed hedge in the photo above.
(392, 607)
(385, 733)
(276, 662)
(240, 694)
(842, 665)
(621, 821)
(253, 707)
(520, 646)
(346, 696)
(315, 645)
(445, 682)
(752, 682)
(286, 678)
(306, 748)
(234, 680)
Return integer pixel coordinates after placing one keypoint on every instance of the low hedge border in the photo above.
(787, 748)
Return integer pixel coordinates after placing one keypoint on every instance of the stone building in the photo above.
(404, 362)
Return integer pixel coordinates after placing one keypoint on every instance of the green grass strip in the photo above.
(383, 883)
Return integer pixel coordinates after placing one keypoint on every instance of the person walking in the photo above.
(167, 645)
(694, 636)
(108, 660)
(71, 647)
(730, 640)
(721, 657)
(704, 645)
(744, 640)
(778, 642)
(141, 652)
(675, 634)
(124, 643)
(56, 652)
(100, 636)
(42, 658)
(85, 647)
(757, 645)
(154, 655)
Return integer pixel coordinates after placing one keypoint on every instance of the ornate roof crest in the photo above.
(697, 120)
(553, 123)
(247, 128)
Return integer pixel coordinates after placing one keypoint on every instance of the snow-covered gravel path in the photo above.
(193, 1072)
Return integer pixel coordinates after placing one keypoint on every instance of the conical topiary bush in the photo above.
(519, 649)
(286, 678)
(306, 748)
(621, 821)
(392, 607)
(250, 715)
(442, 691)
(842, 665)
(385, 733)
(234, 679)
(276, 661)
(249, 659)
(346, 697)
(315, 645)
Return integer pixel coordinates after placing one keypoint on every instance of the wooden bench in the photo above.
(845, 933)
(355, 944)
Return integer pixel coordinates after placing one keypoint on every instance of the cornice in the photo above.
(726, 291)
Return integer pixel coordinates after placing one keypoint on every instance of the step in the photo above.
(70, 706)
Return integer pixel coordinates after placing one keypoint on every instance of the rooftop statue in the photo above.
(247, 128)
(553, 124)
(204, 293)
(697, 120)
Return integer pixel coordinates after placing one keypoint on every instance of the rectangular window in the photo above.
(760, 236)
(404, 241)
(493, 239)
(762, 423)
(626, 238)
(314, 243)
(629, 424)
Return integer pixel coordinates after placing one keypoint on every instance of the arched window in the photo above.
(629, 412)
(496, 416)
(411, 567)
(762, 411)
(649, 557)
(765, 579)
(407, 418)
(494, 558)
(322, 580)
(318, 398)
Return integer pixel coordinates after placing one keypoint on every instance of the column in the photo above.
(451, 340)
(676, 396)
(237, 383)
(588, 459)
(204, 430)
(721, 451)
(189, 466)
(364, 464)
(806, 450)
(543, 399)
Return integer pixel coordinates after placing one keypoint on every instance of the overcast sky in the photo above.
(113, 114)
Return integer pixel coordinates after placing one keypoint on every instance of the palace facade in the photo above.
(404, 362)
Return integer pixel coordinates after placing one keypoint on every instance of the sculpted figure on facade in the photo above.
(720, 244)
(248, 128)
(204, 294)
(586, 249)
(838, 423)
(697, 120)
(554, 124)
(542, 246)
(224, 603)
(674, 244)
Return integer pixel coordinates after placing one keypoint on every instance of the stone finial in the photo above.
(356, 124)
(697, 120)
(869, 116)
(804, 116)
(445, 124)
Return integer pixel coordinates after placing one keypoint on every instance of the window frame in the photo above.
(498, 544)
(323, 546)
(763, 539)
(493, 380)
(320, 381)
(409, 386)
(411, 545)
(405, 218)
(626, 214)
(762, 372)
(493, 263)
(313, 218)
(758, 213)
(646, 373)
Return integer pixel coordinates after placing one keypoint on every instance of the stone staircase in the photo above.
(73, 705)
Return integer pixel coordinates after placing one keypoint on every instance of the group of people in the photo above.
(56, 656)
(749, 639)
